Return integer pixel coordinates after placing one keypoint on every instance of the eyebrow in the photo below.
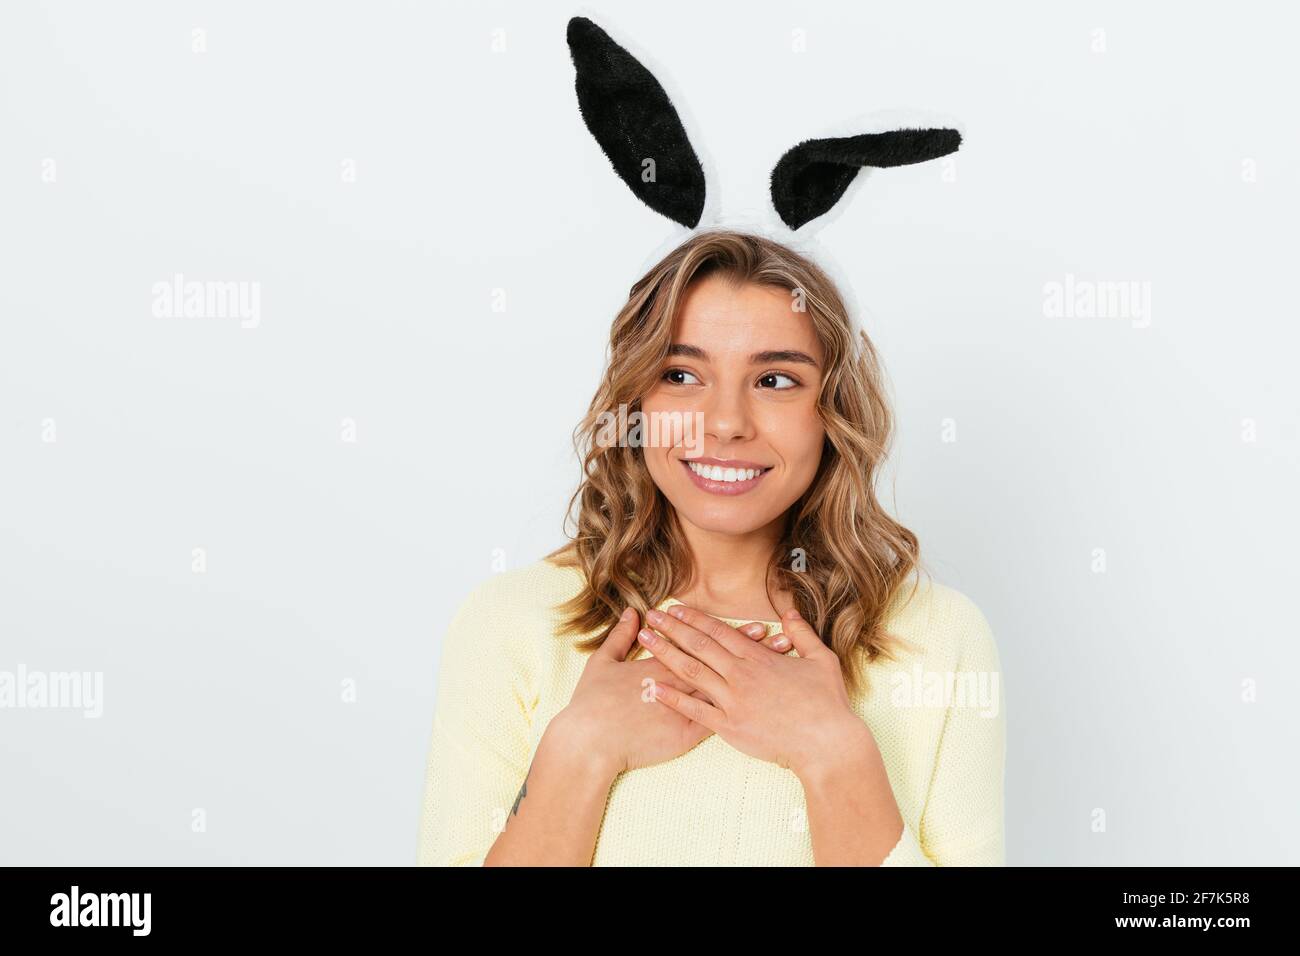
(758, 358)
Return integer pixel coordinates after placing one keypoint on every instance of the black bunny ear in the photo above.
(632, 118)
(810, 178)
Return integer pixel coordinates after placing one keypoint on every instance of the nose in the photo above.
(727, 415)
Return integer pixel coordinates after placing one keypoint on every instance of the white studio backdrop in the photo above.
(254, 526)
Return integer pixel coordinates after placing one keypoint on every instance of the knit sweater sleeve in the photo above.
(962, 821)
(480, 746)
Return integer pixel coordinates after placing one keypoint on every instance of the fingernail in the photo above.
(654, 616)
(781, 643)
(677, 612)
(792, 614)
(627, 613)
(755, 629)
(646, 637)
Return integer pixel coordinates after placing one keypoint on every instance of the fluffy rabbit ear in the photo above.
(812, 177)
(635, 123)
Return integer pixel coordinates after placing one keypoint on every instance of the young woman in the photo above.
(735, 660)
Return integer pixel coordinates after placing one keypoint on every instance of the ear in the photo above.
(635, 123)
(811, 177)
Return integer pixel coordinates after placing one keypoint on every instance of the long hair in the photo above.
(842, 557)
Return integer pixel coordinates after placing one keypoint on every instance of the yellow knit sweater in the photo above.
(937, 714)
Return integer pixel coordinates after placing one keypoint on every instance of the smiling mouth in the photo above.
(718, 480)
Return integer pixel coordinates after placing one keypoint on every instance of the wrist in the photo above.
(848, 749)
(569, 738)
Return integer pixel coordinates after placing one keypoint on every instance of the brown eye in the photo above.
(773, 376)
(669, 376)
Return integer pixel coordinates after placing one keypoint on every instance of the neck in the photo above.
(729, 571)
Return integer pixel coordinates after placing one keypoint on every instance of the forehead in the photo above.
(722, 318)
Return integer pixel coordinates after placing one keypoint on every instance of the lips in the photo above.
(735, 470)
(728, 462)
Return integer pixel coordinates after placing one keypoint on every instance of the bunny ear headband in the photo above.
(633, 119)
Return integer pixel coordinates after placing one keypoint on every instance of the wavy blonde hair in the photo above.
(628, 542)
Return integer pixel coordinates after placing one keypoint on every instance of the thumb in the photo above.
(805, 640)
(619, 641)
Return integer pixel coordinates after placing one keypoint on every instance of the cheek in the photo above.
(655, 438)
(668, 421)
(810, 453)
(662, 400)
(798, 436)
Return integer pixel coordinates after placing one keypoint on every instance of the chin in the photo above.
(734, 519)
(736, 528)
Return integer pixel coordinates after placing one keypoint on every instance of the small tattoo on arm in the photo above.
(523, 792)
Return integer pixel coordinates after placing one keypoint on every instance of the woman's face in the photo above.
(750, 365)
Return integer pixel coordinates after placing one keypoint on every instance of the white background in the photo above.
(330, 561)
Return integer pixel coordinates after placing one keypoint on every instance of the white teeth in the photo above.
(718, 473)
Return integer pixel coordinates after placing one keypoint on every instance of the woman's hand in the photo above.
(792, 711)
(614, 713)
(757, 632)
